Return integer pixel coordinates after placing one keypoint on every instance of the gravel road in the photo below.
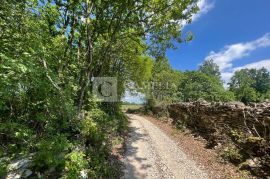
(150, 153)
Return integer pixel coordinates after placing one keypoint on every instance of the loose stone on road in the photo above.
(150, 153)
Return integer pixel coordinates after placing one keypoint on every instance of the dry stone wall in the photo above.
(207, 117)
(243, 127)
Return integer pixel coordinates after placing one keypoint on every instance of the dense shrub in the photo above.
(75, 164)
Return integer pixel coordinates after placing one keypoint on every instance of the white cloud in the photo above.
(205, 6)
(230, 53)
(226, 75)
(256, 65)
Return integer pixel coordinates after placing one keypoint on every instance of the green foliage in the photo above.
(237, 137)
(51, 153)
(163, 86)
(3, 169)
(16, 137)
(49, 51)
(233, 155)
(251, 85)
(210, 68)
(89, 128)
(149, 104)
(75, 162)
(174, 86)
(197, 85)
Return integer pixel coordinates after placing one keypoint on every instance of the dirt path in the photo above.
(150, 153)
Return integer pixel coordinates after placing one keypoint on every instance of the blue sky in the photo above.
(235, 33)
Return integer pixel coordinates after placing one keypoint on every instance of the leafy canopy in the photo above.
(251, 85)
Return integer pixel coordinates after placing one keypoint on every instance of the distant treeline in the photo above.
(246, 85)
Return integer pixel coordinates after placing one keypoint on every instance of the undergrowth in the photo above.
(62, 146)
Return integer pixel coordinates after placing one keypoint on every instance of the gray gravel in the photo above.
(150, 153)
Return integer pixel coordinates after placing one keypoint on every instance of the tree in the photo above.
(210, 68)
(262, 78)
(99, 27)
(162, 87)
(197, 85)
(250, 85)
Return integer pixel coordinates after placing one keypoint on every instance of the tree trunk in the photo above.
(87, 74)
